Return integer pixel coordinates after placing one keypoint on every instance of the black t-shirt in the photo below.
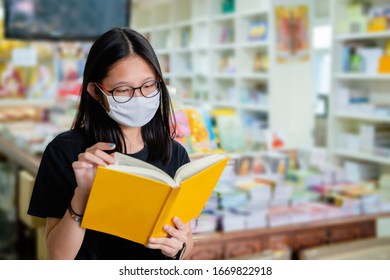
(54, 188)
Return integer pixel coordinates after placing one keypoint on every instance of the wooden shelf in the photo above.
(226, 236)
(297, 237)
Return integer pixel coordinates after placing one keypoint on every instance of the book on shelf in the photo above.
(183, 130)
(257, 30)
(208, 124)
(227, 6)
(200, 137)
(205, 222)
(371, 58)
(185, 38)
(133, 199)
(228, 129)
(258, 165)
(243, 166)
(358, 171)
(227, 35)
(384, 61)
(374, 136)
(260, 62)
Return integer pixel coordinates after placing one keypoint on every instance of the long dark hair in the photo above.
(114, 45)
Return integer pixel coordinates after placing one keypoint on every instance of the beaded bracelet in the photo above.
(77, 217)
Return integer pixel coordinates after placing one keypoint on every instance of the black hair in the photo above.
(109, 48)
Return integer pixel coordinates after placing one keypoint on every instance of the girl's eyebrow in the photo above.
(128, 83)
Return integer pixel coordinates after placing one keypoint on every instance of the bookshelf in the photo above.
(321, 51)
(370, 86)
(213, 54)
(359, 98)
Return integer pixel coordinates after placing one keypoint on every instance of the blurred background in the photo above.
(295, 91)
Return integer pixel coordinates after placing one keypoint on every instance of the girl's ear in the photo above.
(91, 87)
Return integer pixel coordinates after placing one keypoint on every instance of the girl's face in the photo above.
(132, 71)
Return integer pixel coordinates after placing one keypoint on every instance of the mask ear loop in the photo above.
(101, 92)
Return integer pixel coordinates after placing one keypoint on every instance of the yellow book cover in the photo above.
(134, 199)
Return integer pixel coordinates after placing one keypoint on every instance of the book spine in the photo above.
(165, 216)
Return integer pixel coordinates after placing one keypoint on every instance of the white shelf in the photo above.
(184, 23)
(224, 104)
(254, 76)
(200, 48)
(362, 117)
(223, 76)
(254, 44)
(144, 30)
(253, 12)
(322, 50)
(200, 20)
(26, 102)
(256, 107)
(362, 76)
(191, 102)
(183, 50)
(182, 75)
(362, 156)
(162, 51)
(347, 126)
(162, 27)
(224, 17)
(362, 36)
(222, 47)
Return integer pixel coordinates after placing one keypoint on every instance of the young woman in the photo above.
(124, 106)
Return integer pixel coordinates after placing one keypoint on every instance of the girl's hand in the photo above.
(172, 244)
(85, 167)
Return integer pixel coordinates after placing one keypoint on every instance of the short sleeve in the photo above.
(54, 184)
(183, 155)
(180, 155)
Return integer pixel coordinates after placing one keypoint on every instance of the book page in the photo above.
(194, 167)
(122, 159)
(144, 172)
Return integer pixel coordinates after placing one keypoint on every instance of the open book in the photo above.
(134, 199)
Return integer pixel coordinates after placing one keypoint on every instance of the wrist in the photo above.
(75, 216)
(82, 193)
(181, 252)
(79, 200)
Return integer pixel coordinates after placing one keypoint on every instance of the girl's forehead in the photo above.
(132, 69)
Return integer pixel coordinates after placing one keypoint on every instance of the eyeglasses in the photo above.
(124, 93)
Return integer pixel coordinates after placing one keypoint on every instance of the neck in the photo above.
(133, 138)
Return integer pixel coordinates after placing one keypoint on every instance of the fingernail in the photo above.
(166, 227)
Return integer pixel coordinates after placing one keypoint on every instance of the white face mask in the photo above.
(136, 112)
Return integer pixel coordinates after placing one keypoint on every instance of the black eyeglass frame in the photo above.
(103, 88)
